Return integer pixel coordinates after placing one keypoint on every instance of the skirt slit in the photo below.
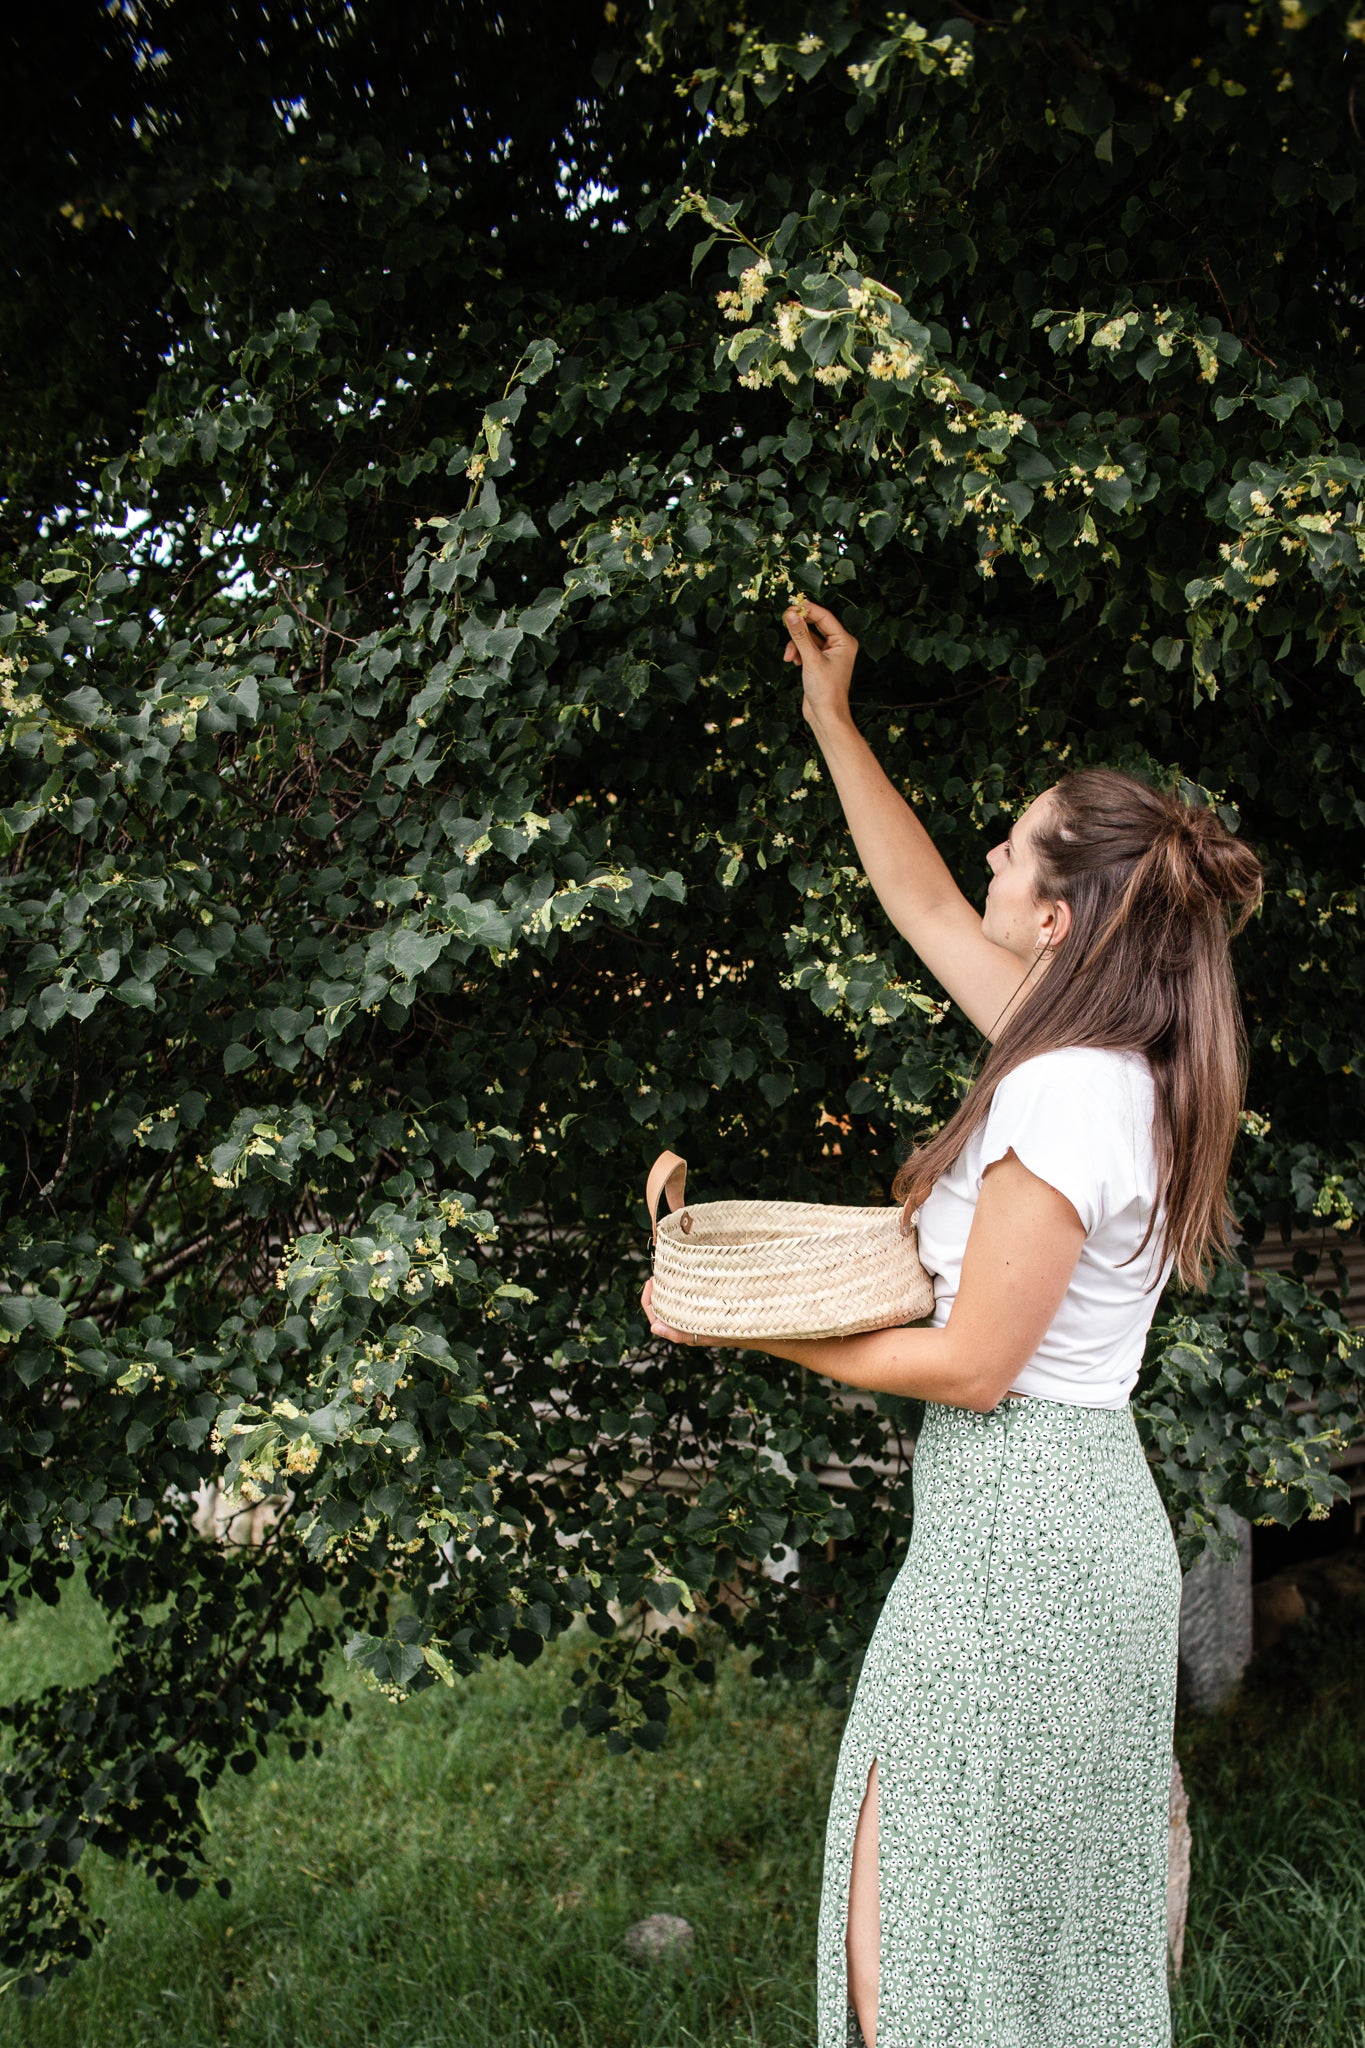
(873, 1794)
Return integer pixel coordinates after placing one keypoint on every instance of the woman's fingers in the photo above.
(666, 1330)
(826, 654)
(657, 1328)
(824, 621)
(672, 1336)
(801, 643)
(816, 631)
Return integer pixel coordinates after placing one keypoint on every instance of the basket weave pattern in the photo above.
(783, 1269)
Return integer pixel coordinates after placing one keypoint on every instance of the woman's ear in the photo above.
(1057, 922)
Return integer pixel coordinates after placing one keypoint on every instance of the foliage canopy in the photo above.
(414, 422)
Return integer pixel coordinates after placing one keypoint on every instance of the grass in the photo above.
(458, 1873)
(1276, 1943)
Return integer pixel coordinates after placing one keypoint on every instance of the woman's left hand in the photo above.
(662, 1329)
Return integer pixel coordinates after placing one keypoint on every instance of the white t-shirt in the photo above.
(1081, 1119)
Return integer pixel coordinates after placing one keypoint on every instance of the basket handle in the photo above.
(668, 1175)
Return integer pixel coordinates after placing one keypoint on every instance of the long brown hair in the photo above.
(1156, 887)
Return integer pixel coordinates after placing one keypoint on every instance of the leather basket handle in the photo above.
(668, 1175)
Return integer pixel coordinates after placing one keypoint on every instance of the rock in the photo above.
(1339, 1577)
(1215, 1625)
(1313, 1586)
(1279, 1605)
(661, 1938)
(1177, 1869)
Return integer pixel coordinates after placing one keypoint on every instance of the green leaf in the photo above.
(411, 952)
(797, 444)
(46, 1314)
(388, 1660)
(139, 995)
(439, 1663)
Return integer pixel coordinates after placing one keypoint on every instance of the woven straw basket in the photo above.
(780, 1269)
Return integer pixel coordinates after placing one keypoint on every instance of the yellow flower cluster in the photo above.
(1334, 1205)
(302, 1455)
(915, 43)
(16, 703)
(789, 320)
(753, 283)
(143, 1128)
(141, 1373)
(1113, 332)
(897, 360)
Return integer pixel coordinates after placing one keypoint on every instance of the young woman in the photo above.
(995, 1871)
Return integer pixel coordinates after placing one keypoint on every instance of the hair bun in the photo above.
(1215, 863)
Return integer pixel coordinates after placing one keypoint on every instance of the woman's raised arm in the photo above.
(911, 879)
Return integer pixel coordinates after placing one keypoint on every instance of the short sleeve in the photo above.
(1058, 1125)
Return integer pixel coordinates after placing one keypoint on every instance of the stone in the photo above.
(1279, 1606)
(1177, 1869)
(661, 1938)
(1326, 1580)
(1215, 1625)
(1312, 1586)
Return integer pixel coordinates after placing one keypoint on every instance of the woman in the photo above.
(995, 1871)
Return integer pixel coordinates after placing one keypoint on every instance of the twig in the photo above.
(70, 1121)
(1255, 347)
(187, 1253)
(1088, 61)
(277, 577)
(149, 1193)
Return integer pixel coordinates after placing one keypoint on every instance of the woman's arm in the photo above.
(1021, 1253)
(911, 879)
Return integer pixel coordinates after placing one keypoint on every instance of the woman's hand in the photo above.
(826, 654)
(661, 1329)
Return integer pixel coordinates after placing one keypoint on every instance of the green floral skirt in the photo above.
(1017, 1697)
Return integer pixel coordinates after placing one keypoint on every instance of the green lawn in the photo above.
(458, 1872)
(1277, 1800)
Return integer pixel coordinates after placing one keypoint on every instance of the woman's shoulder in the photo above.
(1081, 1118)
(1090, 1071)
